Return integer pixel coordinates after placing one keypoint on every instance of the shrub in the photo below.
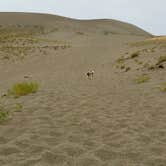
(142, 79)
(24, 88)
(3, 114)
(134, 55)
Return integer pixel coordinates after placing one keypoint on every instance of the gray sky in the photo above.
(147, 14)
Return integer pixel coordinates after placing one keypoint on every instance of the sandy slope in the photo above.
(73, 121)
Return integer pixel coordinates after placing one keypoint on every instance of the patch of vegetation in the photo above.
(142, 79)
(120, 60)
(106, 32)
(3, 114)
(18, 41)
(80, 33)
(127, 69)
(134, 55)
(161, 60)
(163, 87)
(122, 67)
(13, 51)
(24, 88)
(138, 62)
(18, 107)
(151, 67)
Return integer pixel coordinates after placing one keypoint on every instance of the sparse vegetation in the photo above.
(3, 114)
(138, 62)
(161, 60)
(120, 60)
(107, 32)
(151, 67)
(163, 87)
(122, 67)
(80, 33)
(24, 88)
(19, 41)
(127, 69)
(18, 107)
(142, 79)
(134, 55)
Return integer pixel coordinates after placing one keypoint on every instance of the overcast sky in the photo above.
(147, 14)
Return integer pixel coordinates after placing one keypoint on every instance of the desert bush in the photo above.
(24, 88)
(142, 79)
(134, 55)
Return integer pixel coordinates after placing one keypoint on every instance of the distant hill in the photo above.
(108, 25)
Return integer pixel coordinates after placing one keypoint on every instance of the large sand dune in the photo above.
(111, 120)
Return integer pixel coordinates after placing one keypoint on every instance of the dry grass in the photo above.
(24, 88)
(161, 60)
(120, 60)
(3, 114)
(163, 87)
(142, 79)
(17, 42)
(18, 107)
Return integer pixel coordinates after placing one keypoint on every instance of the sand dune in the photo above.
(111, 120)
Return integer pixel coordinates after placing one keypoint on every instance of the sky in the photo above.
(149, 15)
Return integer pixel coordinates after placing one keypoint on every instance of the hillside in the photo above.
(116, 118)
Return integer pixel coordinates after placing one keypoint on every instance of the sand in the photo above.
(73, 121)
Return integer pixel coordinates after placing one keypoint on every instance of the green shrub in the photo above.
(24, 88)
(3, 114)
(142, 79)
